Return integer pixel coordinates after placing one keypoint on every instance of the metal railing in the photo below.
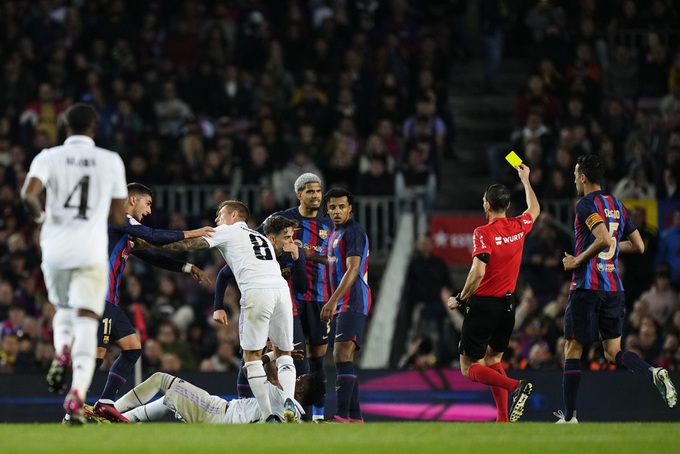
(377, 214)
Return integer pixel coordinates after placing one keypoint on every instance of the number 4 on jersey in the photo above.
(84, 187)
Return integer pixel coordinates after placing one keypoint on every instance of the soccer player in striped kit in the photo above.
(350, 301)
(603, 229)
(115, 326)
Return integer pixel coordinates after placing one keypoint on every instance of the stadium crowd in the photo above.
(255, 93)
(235, 93)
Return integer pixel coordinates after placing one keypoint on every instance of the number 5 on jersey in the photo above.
(609, 253)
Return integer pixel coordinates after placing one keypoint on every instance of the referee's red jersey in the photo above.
(503, 240)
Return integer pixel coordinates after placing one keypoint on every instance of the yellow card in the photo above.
(513, 159)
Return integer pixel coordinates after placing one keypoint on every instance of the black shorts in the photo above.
(488, 322)
(592, 314)
(298, 334)
(348, 326)
(316, 332)
(113, 326)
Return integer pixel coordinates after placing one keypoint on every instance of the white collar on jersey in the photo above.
(77, 138)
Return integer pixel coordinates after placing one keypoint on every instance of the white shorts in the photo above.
(79, 288)
(193, 404)
(266, 313)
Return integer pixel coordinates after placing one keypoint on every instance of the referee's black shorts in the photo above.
(489, 321)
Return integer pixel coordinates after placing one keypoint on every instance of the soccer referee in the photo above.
(487, 296)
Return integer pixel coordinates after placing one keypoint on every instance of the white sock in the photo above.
(154, 411)
(145, 391)
(259, 386)
(286, 369)
(62, 327)
(84, 352)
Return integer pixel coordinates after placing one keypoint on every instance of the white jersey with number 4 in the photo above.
(81, 180)
(250, 256)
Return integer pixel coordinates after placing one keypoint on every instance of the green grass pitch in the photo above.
(370, 438)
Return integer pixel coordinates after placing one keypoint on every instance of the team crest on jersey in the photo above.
(106, 339)
(323, 234)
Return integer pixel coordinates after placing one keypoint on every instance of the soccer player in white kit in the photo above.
(192, 404)
(85, 186)
(266, 305)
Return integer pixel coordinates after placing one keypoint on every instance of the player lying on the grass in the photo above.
(192, 404)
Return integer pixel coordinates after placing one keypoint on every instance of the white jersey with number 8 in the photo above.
(250, 256)
(81, 180)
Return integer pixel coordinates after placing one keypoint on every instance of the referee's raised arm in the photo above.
(533, 207)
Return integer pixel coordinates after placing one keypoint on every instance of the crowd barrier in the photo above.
(396, 395)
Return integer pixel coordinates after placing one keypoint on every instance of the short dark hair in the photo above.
(591, 167)
(335, 193)
(498, 197)
(236, 205)
(80, 117)
(274, 225)
(139, 189)
(314, 390)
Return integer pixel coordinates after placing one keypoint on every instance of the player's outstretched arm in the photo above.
(203, 231)
(189, 244)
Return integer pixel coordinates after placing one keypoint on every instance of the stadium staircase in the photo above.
(481, 121)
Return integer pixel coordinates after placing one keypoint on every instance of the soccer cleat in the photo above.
(68, 420)
(289, 411)
(665, 386)
(272, 419)
(337, 419)
(57, 373)
(73, 404)
(108, 411)
(519, 399)
(561, 420)
(89, 412)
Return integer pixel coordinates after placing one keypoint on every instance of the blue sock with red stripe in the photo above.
(632, 362)
(570, 385)
(344, 387)
(317, 366)
(119, 372)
